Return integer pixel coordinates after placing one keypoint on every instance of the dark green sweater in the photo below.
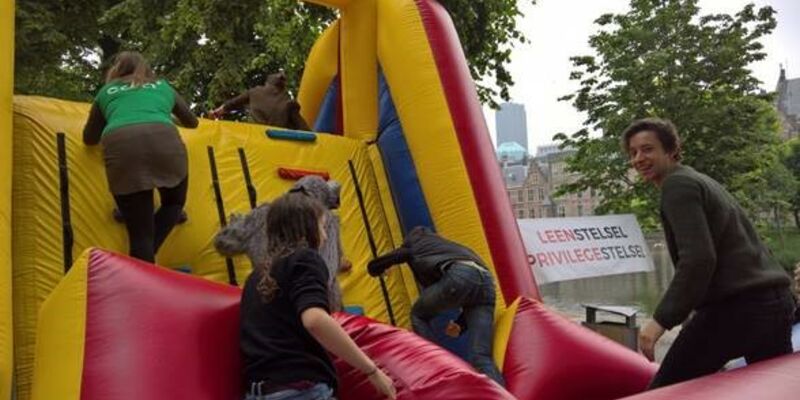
(715, 249)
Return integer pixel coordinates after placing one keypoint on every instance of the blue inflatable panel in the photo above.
(400, 170)
(326, 118)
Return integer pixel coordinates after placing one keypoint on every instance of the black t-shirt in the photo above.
(275, 346)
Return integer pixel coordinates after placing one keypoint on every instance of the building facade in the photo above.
(788, 105)
(534, 197)
(511, 125)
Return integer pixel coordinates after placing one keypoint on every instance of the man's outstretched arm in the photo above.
(394, 257)
(232, 104)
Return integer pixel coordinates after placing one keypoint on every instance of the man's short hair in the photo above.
(664, 129)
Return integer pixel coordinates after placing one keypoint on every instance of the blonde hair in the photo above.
(131, 67)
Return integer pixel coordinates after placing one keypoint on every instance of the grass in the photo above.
(787, 254)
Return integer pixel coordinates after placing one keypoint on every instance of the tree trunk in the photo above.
(779, 226)
(109, 47)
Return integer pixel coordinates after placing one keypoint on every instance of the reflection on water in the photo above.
(641, 290)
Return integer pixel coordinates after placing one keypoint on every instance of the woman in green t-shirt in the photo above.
(132, 117)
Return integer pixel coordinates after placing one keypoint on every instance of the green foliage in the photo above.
(214, 49)
(786, 251)
(488, 31)
(664, 59)
(53, 44)
(792, 162)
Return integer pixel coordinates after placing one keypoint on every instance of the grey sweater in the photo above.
(714, 247)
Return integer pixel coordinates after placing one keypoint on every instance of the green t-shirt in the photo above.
(122, 104)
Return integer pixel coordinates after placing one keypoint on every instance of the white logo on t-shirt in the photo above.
(126, 87)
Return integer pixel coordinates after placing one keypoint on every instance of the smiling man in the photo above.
(741, 298)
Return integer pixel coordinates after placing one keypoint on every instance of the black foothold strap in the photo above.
(68, 236)
(220, 210)
(372, 245)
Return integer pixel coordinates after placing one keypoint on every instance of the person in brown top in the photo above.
(269, 104)
(740, 296)
(132, 117)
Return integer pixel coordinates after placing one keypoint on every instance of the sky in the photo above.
(559, 29)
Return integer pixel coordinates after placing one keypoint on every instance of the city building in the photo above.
(547, 149)
(513, 162)
(512, 153)
(788, 104)
(534, 196)
(511, 125)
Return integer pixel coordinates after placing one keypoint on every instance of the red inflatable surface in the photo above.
(776, 379)
(160, 335)
(550, 357)
(420, 369)
(156, 334)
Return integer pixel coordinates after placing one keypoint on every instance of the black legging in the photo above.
(146, 232)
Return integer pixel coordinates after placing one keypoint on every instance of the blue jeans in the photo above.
(319, 391)
(471, 289)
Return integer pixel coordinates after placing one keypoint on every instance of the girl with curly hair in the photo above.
(286, 330)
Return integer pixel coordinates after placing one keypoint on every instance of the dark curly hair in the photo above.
(664, 129)
(292, 224)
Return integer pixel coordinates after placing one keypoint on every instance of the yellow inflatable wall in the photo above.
(415, 51)
(43, 250)
(6, 91)
(410, 148)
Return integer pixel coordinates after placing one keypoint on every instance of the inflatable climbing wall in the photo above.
(397, 122)
(6, 91)
(407, 141)
(63, 206)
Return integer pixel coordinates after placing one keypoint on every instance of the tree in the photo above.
(53, 44)
(792, 163)
(664, 59)
(488, 31)
(209, 49)
(212, 49)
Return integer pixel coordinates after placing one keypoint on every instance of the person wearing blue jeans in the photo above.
(452, 276)
(320, 391)
(286, 333)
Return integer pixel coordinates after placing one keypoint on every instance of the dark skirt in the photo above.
(144, 157)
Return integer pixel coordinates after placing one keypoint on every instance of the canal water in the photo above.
(641, 290)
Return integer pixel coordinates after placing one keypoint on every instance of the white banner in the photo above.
(571, 248)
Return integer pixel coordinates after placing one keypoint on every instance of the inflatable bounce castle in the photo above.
(398, 123)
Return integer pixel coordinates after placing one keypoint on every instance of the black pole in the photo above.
(221, 211)
(383, 210)
(372, 246)
(68, 236)
(251, 190)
